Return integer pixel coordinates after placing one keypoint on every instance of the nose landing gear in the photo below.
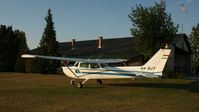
(79, 84)
(72, 82)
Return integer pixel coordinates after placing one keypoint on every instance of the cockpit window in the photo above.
(84, 65)
(94, 66)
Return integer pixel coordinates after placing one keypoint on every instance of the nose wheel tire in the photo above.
(79, 85)
(72, 82)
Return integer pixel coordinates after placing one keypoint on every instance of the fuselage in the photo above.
(102, 71)
(152, 69)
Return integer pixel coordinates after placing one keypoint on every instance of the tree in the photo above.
(22, 48)
(35, 66)
(47, 46)
(12, 44)
(48, 41)
(8, 49)
(194, 41)
(152, 28)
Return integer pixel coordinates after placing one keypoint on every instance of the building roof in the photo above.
(123, 48)
(181, 42)
(111, 48)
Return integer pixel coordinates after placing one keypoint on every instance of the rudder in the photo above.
(157, 63)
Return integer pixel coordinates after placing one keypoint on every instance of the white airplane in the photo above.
(98, 69)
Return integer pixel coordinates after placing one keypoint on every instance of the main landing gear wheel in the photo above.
(99, 81)
(79, 85)
(72, 82)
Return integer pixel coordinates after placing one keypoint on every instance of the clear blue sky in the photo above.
(85, 19)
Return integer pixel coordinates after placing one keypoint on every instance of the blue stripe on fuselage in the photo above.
(131, 71)
(121, 71)
(101, 73)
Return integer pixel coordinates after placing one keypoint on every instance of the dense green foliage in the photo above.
(152, 28)
(47, 46)
(194, 40)
(35, 66)
(12, 45)
(22, 48)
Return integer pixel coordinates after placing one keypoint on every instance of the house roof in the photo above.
(123, 48)
(111, 48)
(181, 42)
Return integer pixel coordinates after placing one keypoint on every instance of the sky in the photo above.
(87, 19)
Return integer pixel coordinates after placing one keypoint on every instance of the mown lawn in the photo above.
(53, 93)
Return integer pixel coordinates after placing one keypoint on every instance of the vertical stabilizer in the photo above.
(157, 63)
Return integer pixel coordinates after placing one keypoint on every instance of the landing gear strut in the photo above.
(79, 84)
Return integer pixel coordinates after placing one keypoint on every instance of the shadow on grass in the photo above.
(89, 87)
(193, 86)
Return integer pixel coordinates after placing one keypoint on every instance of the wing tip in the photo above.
(28, 56)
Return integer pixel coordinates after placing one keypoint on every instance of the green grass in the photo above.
(53, 93)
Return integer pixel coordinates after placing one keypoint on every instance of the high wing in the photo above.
(74, 59)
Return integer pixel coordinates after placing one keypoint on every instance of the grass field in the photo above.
(53, 93)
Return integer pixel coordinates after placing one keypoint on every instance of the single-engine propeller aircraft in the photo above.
(98, 69)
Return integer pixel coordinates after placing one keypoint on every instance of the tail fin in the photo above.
(157, 63)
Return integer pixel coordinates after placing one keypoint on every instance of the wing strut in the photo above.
(70, 70)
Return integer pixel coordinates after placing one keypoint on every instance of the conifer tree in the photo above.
(22, 48)
(8, 49)
(48, 41)
(12, 45)
(48, 45)
(194, 40)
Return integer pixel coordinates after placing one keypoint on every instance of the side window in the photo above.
(84, 65)
(94, 66)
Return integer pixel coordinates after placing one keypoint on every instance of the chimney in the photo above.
(100, 42)
(73, 43)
